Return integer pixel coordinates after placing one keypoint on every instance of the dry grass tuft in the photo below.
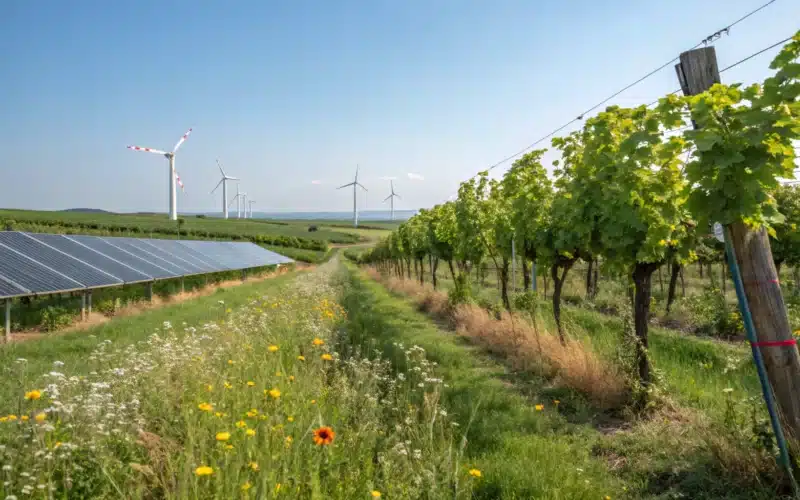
(572, 364)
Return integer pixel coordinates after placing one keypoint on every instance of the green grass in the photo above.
(301, 255)
(523, 453)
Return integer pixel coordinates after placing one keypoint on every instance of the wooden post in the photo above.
(83, 306)
(697, 72)
(150, 291)
(183, 287)
(513, 265)
(89, 301)
(7, 334)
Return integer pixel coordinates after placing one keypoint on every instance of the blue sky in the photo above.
(286, 93)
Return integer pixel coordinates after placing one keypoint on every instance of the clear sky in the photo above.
(292, 95)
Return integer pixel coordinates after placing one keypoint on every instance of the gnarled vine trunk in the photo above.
(675, 271)
(642, 282)
(504, 283)
(589, 277)
(434, 266)
(526, 279)
(558, 283)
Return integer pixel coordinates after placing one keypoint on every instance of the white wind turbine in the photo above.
(250, 204)
(392, 197)
(355, 184)
(238, 200)
(173, 204)
(222, 181)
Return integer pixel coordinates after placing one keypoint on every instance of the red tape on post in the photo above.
(775, 343)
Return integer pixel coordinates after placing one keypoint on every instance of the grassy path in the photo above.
(523, 452)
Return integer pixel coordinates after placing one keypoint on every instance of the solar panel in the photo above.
(37, 278)
(137, 249)
(9, 290)
(33, 263)
(175, 248)
(98, 260)
(81, 272)
(175, 258)
(126, 258)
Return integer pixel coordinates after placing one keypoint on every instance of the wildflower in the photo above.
(203, 470)
(301, 358)
(291, 378)
(12, 417)
(252, 413)
(33, 395)
(607, 497)
(277, 487)
(229, 310)
(539, 407)
(219, 414)
(475, 472)
(250, 432)
(250, 383)
(289, 440)
(3, 419)
(223, 436)
(273, 348)
(375, 493)
(556, 402)
(227, 385)
(228, 446)
(246, 486)
(230, 361)
(727, 390)
(290, 418)
(327, 357)
(275, 393)
(278, 374)
(313, 401)
(253, 466)
(209, 387)
(323, 436)
(318, 341)
(241, 424)
(24, 418)
(205, 406)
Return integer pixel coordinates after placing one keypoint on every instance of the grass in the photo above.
(697, 442)
(301, 255)
(524, 453)
(245, 393)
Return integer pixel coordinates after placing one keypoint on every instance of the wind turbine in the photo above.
(173, 205)
(238, 200)
(244, 205)
(250, 203)
(225, 177)
(392, 197)
(355, 184)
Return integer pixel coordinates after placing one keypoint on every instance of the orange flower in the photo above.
(318, 341)
(327, 357)
(323, 436)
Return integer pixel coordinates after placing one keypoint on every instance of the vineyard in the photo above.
(635, 195)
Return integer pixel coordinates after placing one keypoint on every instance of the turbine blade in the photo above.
(346, 185)
(215, 187)
(398, 197)
(387, 198)
(178, 178)
(182, 140)
(233, 200)
(147, 150)
(220, 168)
(362, 187)
(232, 179)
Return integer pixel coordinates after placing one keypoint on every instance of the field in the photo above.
(324, 384)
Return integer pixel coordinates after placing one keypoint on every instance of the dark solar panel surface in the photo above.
(100, 261)
(83, 273)
(140, 264)
(32, 276)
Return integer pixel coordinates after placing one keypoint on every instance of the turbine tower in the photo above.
(238, 200)
(355, 184)
(392, 197)
(173, 205)
(244, 205)
(222, 181)
(250, 204)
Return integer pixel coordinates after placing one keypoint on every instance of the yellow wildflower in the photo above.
(291, 378)
(218, 414)
(250, 432)
(273, 348)
(278, 487)
(313, 401)
(12, 417)
(662, 243)
(33, 395)
(227, 385)
(375, 493)
(289, 440)
(229, 310)
(241, 424)
(40, 417)
(203, 470)
(228, 446)
(250, 383)
(275, 393)
(539, 407)
(327, 357)
(475, 472)
(301, 358)
(556, 402)
(3, 419)
(24, 418)
(278, 374)
(290, 418)
(252, 413)
(223, 436)
(209, 387)
(246, 486)
(230, 361)
(205, 406)
(318, 341)
(254, 466)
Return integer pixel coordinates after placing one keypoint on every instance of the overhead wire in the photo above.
(714, 36)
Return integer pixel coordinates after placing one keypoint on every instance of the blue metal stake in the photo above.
(750, 329)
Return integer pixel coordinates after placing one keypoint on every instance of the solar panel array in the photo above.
(34, 263)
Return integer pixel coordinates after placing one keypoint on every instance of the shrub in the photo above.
(712, 315)
(461, 293)
(54, 318)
